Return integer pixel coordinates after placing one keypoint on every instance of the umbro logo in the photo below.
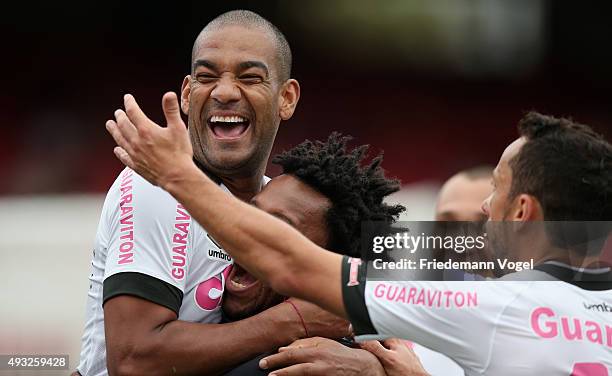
(603, 307)
(218, 254)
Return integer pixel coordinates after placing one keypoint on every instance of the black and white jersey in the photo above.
(504, 327)
(147, 245)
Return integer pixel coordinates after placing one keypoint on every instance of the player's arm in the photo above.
(145, 338)
(270, 249)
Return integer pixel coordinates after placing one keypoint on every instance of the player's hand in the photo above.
(396, 357)
(321, 356)
(155, 153)
(321, 323)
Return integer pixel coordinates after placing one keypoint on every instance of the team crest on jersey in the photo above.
(217, 253)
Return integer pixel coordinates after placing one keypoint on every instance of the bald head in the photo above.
(248, 19)
(461, 197)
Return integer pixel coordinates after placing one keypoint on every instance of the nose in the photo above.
(226, 91)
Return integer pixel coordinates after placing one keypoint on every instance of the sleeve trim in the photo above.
(353, 296)
(143, 286)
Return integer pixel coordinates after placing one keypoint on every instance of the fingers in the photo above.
(286, 358)
(124, 157)
(115, 132)
(374, 347)
(396, 344)
(134, 113)
(126, 127)
(171, 109)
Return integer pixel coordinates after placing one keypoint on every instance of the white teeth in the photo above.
(227, 119)
(238, 284)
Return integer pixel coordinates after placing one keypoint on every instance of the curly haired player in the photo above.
(325, 192)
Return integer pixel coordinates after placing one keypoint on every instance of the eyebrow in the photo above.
(204, 63)
(242, 66)
(280, 216)
(253, 64)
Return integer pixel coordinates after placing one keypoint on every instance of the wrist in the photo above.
(173, 181)
(304, 333)
(371, 365)
(286, 325)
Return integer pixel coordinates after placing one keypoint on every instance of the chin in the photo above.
(237, 310)
(227, 162)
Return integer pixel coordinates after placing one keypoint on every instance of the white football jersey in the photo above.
(144, 232)
(542, 327)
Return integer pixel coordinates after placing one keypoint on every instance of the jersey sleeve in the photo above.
(446, 316)
(148, 238)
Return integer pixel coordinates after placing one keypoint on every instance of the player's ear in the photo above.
(527, 208)
(185, 93)
(288, 99)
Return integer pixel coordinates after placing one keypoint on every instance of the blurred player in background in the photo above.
(157, 276)
(324, 193)
(461, 196)
(557, 170)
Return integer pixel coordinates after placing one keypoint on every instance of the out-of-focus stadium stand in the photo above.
(437, 84)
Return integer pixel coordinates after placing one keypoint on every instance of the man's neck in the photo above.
(244, 188)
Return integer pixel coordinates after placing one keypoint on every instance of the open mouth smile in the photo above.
(239, 280)
(228, 127)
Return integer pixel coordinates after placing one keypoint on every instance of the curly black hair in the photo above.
(356, 191)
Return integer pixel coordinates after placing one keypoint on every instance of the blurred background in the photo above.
(438, 85)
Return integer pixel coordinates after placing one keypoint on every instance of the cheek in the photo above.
(199, 95)
(264, 103)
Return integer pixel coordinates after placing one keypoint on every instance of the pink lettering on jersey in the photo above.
(126, 222)
(546, 324)
(550, 329)
(594, 333)
(209, 293)
(426, 297)
(179, 242)
(569, 334)
(411, 295)
(421, 298)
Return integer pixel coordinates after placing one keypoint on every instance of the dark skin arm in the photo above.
(144, 338)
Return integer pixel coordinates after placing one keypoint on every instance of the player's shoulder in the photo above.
(129, 185)
(132, 195)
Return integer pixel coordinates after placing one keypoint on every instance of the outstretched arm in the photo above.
(267, 247)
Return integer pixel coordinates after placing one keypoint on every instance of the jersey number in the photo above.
(589, 369)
